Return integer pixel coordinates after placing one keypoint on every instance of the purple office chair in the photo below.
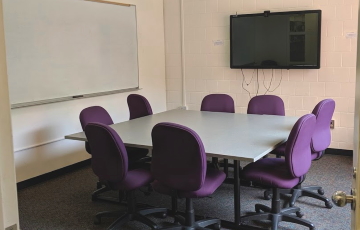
(218, 103)
(321, 139)
(138, 106)
(179, 169)
(99, 114)
(266, 104)
(94, 114)
(283, 173)
(109, 162)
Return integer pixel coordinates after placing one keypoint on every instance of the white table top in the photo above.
(225, 135)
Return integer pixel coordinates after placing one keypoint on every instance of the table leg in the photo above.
(226, 167)
(237, 207)
(215, 162)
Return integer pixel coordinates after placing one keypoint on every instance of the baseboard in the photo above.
(53, 174)
(342, 152)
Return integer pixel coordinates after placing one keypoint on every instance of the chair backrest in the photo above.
(321, 138)
(218, 103)
(178, 157)
(94, 114)
(266, 104)
(139, 106)
(109, 159)
(298, 151)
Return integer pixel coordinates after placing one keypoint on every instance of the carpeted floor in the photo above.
(65, 203)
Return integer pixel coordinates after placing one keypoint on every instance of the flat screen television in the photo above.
(281, 40)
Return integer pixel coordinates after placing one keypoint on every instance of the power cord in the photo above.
(268, 89)
(272, 77)
(244, 81)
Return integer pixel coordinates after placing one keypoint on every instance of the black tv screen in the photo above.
(281, 40)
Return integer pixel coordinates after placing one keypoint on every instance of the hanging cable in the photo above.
(252, 76)
(272, 76)
(278, 84)
(247, 84)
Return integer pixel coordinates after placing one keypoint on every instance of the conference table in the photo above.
(240, 137)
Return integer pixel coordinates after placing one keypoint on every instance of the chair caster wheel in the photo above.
(98, 185)
(97, 221)
(328, 204)
(217, 226)
(267, 195)
(178, 220)
(321, 191)
(299, 214)
(161, 215)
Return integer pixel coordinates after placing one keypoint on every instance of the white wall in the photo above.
(173, 53)
(8, 196)
(40, 124)
(207, 66)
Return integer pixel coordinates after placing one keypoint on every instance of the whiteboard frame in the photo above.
(109, 2)
(76, 97)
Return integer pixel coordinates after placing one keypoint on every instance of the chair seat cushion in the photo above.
(214, 178)
(271, 172)
(134, 179)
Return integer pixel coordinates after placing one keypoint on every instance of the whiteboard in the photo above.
(67, 49)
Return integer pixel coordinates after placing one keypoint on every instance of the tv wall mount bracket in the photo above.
(266, 13)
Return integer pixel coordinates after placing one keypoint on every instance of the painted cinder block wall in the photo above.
(207, 66)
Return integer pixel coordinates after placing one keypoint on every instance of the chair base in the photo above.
(296, 193)
(299, 191)
(95, 196)
(188, 222)
(128, 216)
(197, 225)
(132, 214)
(101, 188)
(276, 218)
(276, 215)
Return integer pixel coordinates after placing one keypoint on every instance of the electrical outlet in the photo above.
(182, 107)
(12, 227)
(332, 124)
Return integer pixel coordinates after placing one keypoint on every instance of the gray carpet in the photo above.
(64, 203)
